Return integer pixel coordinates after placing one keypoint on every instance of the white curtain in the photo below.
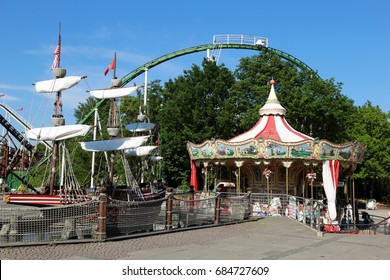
(330, 176)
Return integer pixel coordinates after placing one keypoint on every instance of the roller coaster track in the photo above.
(10, 128)
(138, 71)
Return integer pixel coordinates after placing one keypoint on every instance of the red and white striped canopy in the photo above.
(272, 124)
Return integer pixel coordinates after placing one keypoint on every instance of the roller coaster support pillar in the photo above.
(146, 88)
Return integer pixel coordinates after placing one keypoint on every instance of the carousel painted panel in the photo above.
(225, 150)
(327, 151)
(275, 150)
(199, 152)
(249, 150)
(345, 153)
(304, 150)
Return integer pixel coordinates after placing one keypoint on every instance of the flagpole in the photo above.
(114, 65)
(59, 44)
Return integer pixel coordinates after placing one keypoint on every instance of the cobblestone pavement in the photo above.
(122, 248)
(269, 239)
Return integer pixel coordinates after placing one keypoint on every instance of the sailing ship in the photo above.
(134, 189)
(60, 187)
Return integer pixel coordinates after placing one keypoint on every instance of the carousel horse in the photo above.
(273, 208)
(306, 210)
(347, 217)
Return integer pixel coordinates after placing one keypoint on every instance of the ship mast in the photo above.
(113, 127)
(57, 119)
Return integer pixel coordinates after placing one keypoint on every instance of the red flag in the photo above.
(194, 178)
(57, 53)
(20, 109)
(110, 67)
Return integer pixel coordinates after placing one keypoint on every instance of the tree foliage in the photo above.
(191, 110)
(314, 106)
(371, 128)
(211, 102)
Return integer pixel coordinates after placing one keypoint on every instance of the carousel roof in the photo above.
(272, 124)
(272, 138)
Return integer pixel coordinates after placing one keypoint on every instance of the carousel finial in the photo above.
(272, 106)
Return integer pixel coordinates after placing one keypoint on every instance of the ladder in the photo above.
(132, 184)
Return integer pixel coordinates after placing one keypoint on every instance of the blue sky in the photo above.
(346, 40)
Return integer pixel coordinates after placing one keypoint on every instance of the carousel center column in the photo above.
(287, 165)
(239, 163)
(205, 164)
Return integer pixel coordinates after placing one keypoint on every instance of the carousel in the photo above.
(273, 157)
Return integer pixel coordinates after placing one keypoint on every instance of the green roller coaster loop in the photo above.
(138, 71)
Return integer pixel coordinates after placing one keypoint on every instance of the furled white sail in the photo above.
(57, 133)
(140, 151)
(112, 92)
(114, 144)
(139, 126)
(58, 84)
(156, 158)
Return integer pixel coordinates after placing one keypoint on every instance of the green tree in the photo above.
(190, 111)
(314, 106)
(209, 101)
(371, 128)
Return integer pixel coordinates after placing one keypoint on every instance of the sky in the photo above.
(345, 40)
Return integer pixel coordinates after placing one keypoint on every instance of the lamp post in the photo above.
(311, 176)
(267, 174)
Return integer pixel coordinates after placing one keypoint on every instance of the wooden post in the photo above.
(217, 209)
(168, 219)
(102, 220)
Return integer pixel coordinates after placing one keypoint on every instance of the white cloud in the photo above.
(5, 87)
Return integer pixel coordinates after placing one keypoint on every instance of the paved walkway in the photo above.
(272, 238)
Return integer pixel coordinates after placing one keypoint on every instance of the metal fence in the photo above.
(106, 219)
(309, 212)
(374, 223)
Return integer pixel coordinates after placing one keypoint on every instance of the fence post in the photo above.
(217, 209)
(250, 201)
(192, 198)
(102, 220)
(168, 219)
(319, 233)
